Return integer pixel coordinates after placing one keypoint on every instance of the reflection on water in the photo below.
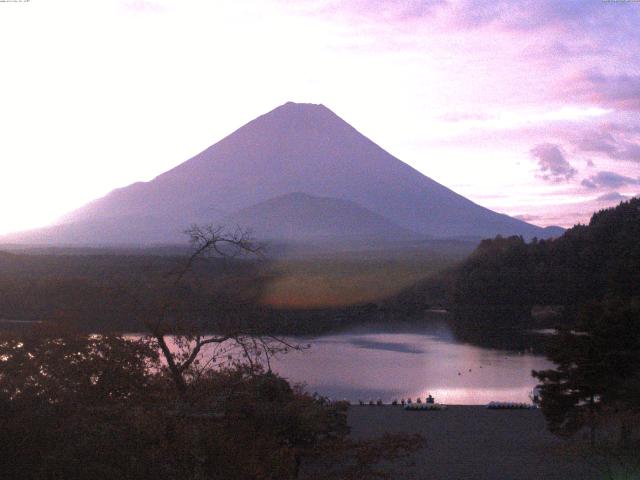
(397, 361)
(410, 361)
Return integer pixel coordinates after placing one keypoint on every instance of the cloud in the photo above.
(552, 163)
(563, 49)
(527, 217)
(607, 179)
(598, 142)
(526, 14)
(620, 91)
(383, 10)
(567, 214)
(613, 147)
(612, 197)
(616, 147)
(412, 8)
(631, 151)
(624, 128)
(619, 140)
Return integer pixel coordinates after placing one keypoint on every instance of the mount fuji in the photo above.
(297, 173)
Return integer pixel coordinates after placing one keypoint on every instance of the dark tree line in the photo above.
(593, 262)
(593, 273)
(99, 292)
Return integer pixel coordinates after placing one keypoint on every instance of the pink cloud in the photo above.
(612, 197)
(606, 179)
(553, 166)
(528, 217)
(527, 14)
(617, 142)
(620, 91)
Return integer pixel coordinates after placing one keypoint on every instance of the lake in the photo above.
(378, 362)
(387, 362)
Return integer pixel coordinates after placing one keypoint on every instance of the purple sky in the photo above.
(530, 108)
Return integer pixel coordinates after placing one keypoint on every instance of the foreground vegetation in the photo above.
(79, 406)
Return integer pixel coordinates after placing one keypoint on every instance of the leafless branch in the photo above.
(207, 239)
(257, 348)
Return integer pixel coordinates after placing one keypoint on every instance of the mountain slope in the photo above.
(301, 217)
(294, 148)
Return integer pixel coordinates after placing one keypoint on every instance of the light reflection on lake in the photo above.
(371, 362)
(409, 362)
(386, 362)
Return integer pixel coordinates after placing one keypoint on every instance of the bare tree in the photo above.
(230, 342)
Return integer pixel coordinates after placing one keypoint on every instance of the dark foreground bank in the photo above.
(472, 442)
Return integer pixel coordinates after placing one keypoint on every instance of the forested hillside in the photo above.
(589, 262)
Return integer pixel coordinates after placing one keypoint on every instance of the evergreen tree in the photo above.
(598, 369)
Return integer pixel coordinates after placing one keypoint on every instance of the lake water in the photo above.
(378, 361)
(374, 362)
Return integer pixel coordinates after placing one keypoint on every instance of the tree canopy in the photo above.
(597, 377)
(590, 262)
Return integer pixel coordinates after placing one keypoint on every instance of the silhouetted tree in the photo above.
(184, 321)
(598, 370)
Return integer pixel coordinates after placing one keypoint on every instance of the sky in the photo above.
(530, 108)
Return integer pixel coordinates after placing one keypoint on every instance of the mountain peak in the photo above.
(301, 112)
(302, 106)
(297, 147)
